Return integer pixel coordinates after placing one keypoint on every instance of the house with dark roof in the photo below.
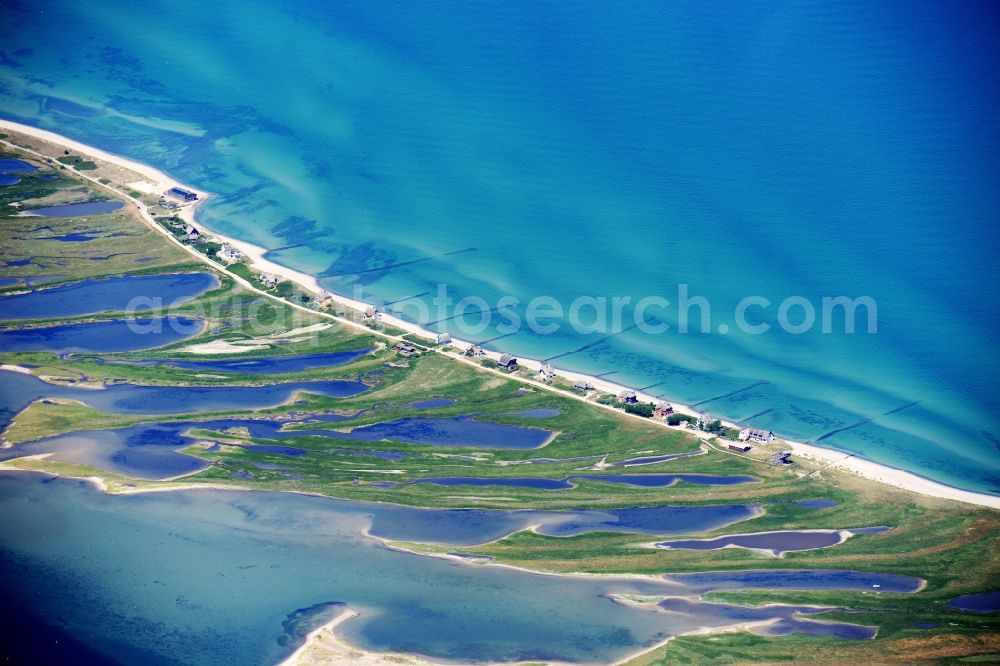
(507, 361)
(628, 395)
(781, 458)
(180, 194)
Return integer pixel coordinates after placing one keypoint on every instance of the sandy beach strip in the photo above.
(830, 457)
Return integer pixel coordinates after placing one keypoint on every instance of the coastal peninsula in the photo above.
(233, 381)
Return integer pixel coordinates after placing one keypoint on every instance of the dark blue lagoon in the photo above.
(432, 403)
(17, 390)
(275, 365)
(466, 527)
(458, 431)
(983, 602)
(75, 209)
(151, 450)
(773, 543)
(133, 577)
(10, 167)
(106, 336)
(797, 579)
(134, 399)
(117, 293)
(783, 619)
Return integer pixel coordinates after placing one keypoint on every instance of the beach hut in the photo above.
(546, 373)
(628, 395)
(507, 361)
(755, 435)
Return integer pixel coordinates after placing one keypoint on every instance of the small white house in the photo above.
(442, 338)
(546, 373)
(230, 254)
(371, 312)
(755, 435)
(268, 279)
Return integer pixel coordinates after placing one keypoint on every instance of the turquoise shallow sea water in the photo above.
(813, 149)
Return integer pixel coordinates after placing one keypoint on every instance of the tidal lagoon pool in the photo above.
(75, 209)
(104, 336)
(9, 168)
(19, 389)
(274, 365)
(457, 431)
(111, 294)
(983, 602)
(208, 577)
(774, 543)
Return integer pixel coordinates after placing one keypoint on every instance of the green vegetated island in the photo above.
(951, 545)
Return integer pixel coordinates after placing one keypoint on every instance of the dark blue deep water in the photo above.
(105, 336)
(117, 293)
(75, 209)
